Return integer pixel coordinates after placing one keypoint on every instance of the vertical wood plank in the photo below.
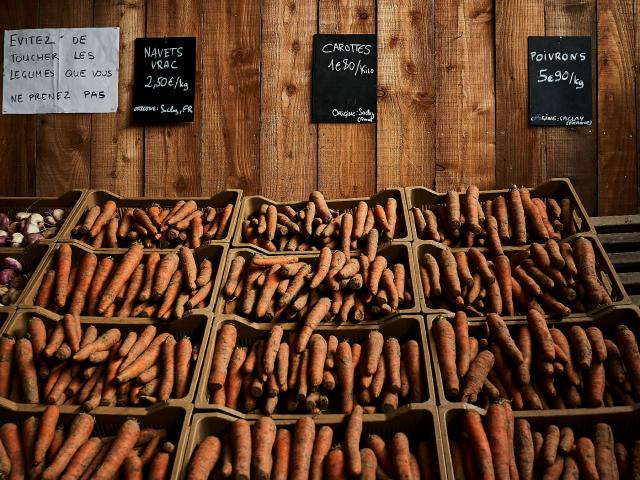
(347, 152)
(63, 141)
(231, 101)
(17, 132)
(617, 163)
(172, 152)
(520, 149)
(465, 146)
(288, 139)
(406, 93)
(572, 151)
(117, 145)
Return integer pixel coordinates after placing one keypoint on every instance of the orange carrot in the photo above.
(63, 269)
(352, 436)
(168, 368)
(445, 338)
(317, 357)
(7, 346)
(264, 436)
(582, 347)
(82, 458)
(452, 201)
(281, 455)
(241, 441)
(79, 432)
(123, 272)
(89, 219)
(122, 445)
(463, 269)
(302, 448)
(471, 209)
(204, 458)
(104, 342)
(27, 370)
(140, 345)
(344, 372)
(502, 337)
(541, 334)
(45, 292)
(401, 456)
(184, 349)
(450, 280)
(144, 361)
(585, 456)
(517, 216)
(10, 438)
(163, 274)
(317, 313)
(478, 371)
(524, 449)
(628, 346)
(225, 343)
(586, 264)
(108, 210)
(321, 448)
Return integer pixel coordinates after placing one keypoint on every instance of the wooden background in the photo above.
(452, 102)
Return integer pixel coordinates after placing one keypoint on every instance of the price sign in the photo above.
(345, 70)
(165, 77)
(560, 81)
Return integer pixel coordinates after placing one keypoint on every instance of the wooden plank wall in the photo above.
(452, 102)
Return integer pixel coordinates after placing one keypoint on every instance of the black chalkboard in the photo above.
(560, 81)
(345, 71)
(165, 79)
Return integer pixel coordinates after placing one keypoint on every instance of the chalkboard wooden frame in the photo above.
(165, 95)
(560, 81)
(345, 78)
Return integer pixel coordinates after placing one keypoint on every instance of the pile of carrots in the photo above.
(262, 450)
(555, 278)
(537, 367)
(43, 448)
(315, 225)
(139, 285)
(331, 286)
(71, 365)
(184, 224)
(502, 447)
(517, 219)
(315, 376)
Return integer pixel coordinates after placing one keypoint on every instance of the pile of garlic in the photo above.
(28, 228)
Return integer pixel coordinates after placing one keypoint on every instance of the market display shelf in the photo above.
(556, 188)
(420, 423)
(99, 197)
(402, 327)
(217, 253)
(196, 325)
(252, 204)
(608, 276)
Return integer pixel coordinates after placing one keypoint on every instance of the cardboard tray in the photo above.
(392, 252)
(196, 325)
(217, 253)
(70, 202)
(252, 204)
(98, 197)
(555, 187)
(32, 259)
(606, 320)
(624, 423)
(419, 423)
(403, 327)
(612, 282)
(175, 419)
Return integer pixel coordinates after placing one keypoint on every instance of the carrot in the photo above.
(123, 272)
(401, 456)
(450, 279)
(344, 373)
(496, 431)
(46, 289)
(104, 342)
(189, 267)
(82, 458)
(159, 466)
(478, 371)
(605, 459)
(503, 276)
(471, 209)
(27, 370)
(197, 300)
(392, 364)
(46, 431)
(168, 368)
(317, 357)
(623, 460)
(517, 216)
(302, 448)
(502, 337)
(598, 347)
(628, 346)
(182, 212)
(317, 313)
(463, 268)
(373, 349)
(122, 445)
(63, 269)
(452, 201)
(225, 343)
(550, 445)
(89, 219)
(107, 211)
(582, 347)
(566, 217)
(586, 458)
(321, 448)
(369, 464)
(163, 274)
(144, 361)
(480, 443)
(281, 455)
(411, 357)
(524, 452)
(140, 345)
(445, 338)
(132, 467)
(541, 335)
(241, 444)
(586, 264)
(79, 432)
(184, 348)
(264, 436)
(204, 458)
(7, 346)
(10, 437)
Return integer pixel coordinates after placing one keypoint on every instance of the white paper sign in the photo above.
(61, 70)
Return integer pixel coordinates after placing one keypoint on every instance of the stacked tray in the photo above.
(99, 197)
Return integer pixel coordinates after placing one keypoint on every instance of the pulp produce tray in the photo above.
(393, 252)
(606, 320)
(31, 259)
(625, 424)
(195, 325)
(175, 419)
(403, 327)
(609, 277)
(70, 202)
(251, 205)
(215, 252)
(98, 197)
(419, 423)
(556, 188)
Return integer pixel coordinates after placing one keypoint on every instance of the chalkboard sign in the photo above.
(165, 79)
(560, 81)
(345, 71)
